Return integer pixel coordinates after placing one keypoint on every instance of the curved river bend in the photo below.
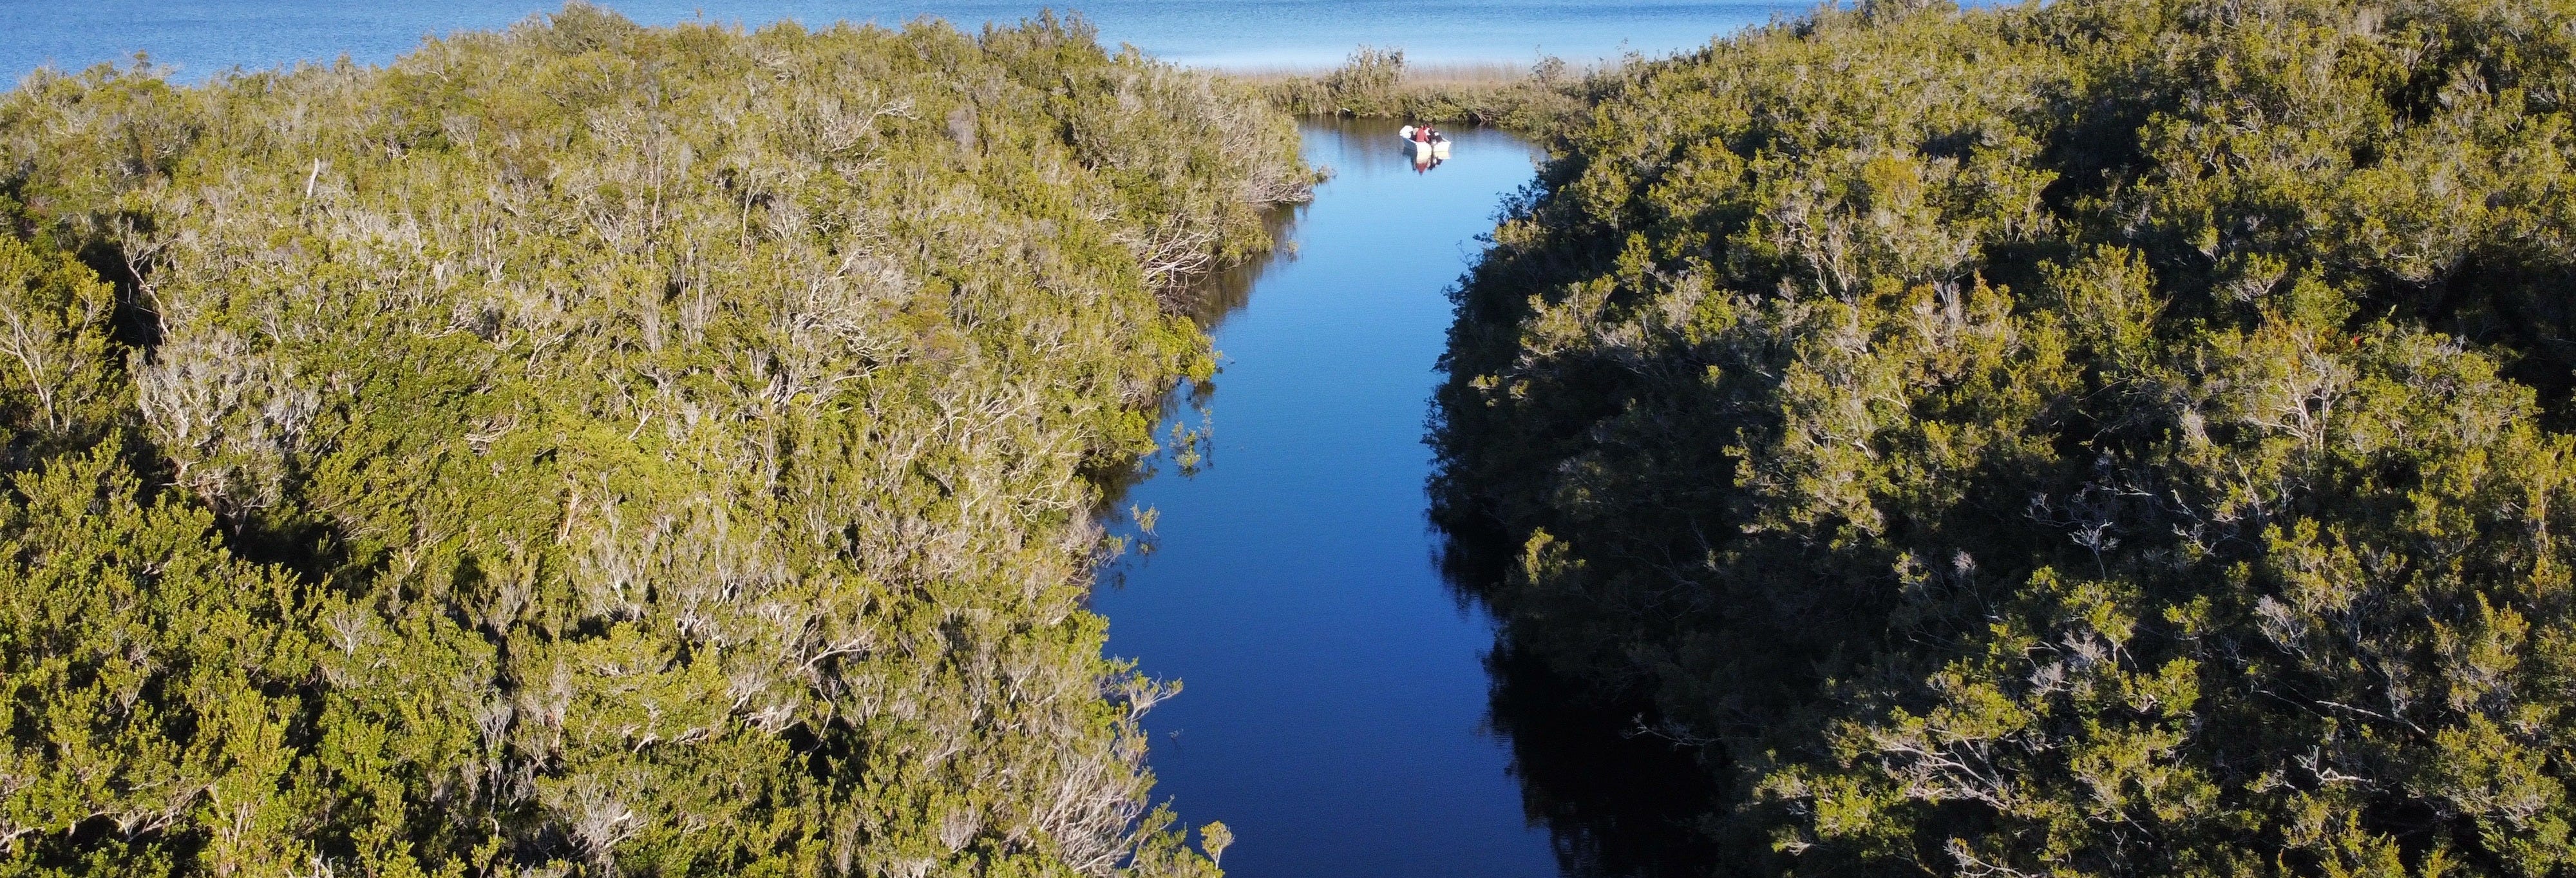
(1336, 707)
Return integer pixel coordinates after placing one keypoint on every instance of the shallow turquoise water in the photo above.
(202, 37)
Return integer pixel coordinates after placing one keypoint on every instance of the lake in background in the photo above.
(204, 37)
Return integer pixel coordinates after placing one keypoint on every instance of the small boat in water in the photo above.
(1433, 146)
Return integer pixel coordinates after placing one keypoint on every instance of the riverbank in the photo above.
(1375, 83)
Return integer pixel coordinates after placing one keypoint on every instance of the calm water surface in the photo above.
(1335, 710)
(202, 37)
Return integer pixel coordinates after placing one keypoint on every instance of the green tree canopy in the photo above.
(2084, 438)
(596, 449)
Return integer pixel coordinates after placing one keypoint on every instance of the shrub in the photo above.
(594, 449)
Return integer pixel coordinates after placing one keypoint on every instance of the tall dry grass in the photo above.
(1380, 83)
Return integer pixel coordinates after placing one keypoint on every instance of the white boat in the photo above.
(1435, 148)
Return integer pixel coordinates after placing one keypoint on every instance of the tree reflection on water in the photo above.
(1618, 799)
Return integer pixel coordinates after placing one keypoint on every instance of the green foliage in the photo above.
(151, 680)
(596, 449)
(60, 387)
(2089, 438)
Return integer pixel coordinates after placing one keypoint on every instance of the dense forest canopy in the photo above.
(593, 449)
(2099, 437)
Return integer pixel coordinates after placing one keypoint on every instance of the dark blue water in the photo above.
(1334, 715)
(203, 37)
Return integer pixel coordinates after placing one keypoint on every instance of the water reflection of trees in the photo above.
(1183, 422)
(1212, 297)
(1618, 799)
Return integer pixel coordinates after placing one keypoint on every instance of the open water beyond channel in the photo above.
(200, 38)
(1335, 709)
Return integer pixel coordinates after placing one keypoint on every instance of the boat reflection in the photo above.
(1425, 146)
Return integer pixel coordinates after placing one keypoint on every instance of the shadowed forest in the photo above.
(591, 449)
(2091, 438)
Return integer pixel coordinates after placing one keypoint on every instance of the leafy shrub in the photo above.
(2088, 438)
(596, 449)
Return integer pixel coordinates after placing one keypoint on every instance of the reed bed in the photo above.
(1418, 74)
(1380, 83)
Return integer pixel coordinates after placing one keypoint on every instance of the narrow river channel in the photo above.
(1335, 707)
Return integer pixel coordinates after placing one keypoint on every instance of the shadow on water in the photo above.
(1618, 799)
(1210, 298)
